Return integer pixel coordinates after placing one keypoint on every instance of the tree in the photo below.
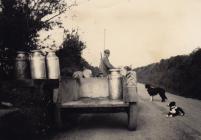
(179, 74)
(70, 53)
(20, 22)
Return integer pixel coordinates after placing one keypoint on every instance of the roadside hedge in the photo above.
(180, 75)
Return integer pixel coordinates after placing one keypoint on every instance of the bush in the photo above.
(35, 110)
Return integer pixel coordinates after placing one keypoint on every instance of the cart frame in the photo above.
(74, 104)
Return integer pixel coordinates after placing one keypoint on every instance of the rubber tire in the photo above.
(132, 116)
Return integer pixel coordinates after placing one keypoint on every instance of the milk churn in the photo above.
(53, 66)
(21, 65)
(130, 81)
(115, 84)
(37, 61)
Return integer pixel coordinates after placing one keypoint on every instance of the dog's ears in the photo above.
(173, 103)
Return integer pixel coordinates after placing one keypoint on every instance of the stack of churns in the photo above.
(36, 65)
(115, 83)
(130, 83)
(131, 79)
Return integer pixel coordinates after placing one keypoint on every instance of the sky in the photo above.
(137, 32)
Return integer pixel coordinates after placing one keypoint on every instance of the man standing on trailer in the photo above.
(105, 64)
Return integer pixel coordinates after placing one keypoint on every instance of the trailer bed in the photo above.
(94, 102)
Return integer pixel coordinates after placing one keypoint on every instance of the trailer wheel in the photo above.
(132, 116)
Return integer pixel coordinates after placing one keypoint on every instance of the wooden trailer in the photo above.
(91, 95)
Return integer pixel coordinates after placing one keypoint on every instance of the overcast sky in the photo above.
(138, 32)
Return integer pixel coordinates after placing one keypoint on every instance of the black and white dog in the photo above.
(174, 110)
(154, 91)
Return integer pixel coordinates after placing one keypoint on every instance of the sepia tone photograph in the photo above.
(100, 70)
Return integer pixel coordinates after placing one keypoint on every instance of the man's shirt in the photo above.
(105, 66)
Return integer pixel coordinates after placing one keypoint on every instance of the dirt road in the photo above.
(152, 123)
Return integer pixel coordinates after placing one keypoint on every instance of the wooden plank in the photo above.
(57, 113)
(23, 83)
(18, 83)
(93, 87)
(85, 110)
(68, 90)
(94, 102)
(4, 112)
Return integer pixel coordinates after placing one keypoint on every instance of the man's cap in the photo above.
(106, 51)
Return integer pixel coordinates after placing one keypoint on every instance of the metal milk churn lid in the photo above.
(37, 62)
(115, 84)
(21, 65)
(53, 66)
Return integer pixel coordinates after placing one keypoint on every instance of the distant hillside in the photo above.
(180, 75)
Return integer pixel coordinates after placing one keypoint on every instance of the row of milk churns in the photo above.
(37, 65)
